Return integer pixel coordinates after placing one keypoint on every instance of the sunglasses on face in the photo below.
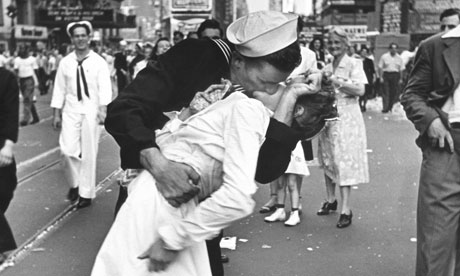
(447, 27)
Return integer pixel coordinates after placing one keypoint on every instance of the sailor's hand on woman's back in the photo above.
(175, 181)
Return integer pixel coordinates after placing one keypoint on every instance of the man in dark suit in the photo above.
(432, 102)
(9, 117)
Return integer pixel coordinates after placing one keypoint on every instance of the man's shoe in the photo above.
(293, 220)
(278, 215)
(72, 195)
(83, 202)
(344, 220)
(23, 123)
(224, 259)
(35, 121)
(327, 208)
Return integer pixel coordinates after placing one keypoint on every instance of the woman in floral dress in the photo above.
(342, 146)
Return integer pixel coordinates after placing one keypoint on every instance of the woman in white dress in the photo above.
(342, 146)
(221, 143)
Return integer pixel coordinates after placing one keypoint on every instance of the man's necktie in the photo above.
(85, 85)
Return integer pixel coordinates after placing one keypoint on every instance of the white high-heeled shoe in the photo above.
(293, 220)
(278, 215)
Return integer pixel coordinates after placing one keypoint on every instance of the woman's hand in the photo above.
(101, 114)
(159, 257)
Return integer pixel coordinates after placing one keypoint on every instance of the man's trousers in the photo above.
(391, 89)
(79, 143)
(27, 91)
(8, 183)
(438, 212)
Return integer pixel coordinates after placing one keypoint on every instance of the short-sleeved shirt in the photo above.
(391, 64)
(25, 66)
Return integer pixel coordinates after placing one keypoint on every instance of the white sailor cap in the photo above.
(84, 24)
(262, 33)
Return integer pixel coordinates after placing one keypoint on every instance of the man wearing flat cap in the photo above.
(261, 52)
(81, 93)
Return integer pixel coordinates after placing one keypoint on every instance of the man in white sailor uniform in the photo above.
(81, 94)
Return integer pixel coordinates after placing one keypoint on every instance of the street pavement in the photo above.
(60, 240)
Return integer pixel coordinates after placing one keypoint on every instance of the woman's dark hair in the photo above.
(286, 59)
(318, 108)
(154, 56)
(312, 43)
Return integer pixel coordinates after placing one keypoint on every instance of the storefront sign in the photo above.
(191, 6)
(356, 33)
(68, 15)
(342, 2)
(30, 32)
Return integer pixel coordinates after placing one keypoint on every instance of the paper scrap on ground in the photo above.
(266, 246)
(228, 242)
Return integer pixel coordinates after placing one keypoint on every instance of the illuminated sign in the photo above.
(191, 5)
(69, 15)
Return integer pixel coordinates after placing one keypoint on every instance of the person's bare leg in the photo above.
(345, 192)
(331, 203)
(280, 213)
(270, 205)
(330, 189)
(292, 184)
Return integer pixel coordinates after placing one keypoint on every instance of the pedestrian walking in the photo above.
(431, 100)
(140, 56)
(369, 69)
(342, 145)
(178, 36)
(170, 84)
(26, 69)
(52, 68)
(9, 117)
(81, 93)
(148, 51)
(42, 74)
(121, 66)
(391, 69)
(3, 59)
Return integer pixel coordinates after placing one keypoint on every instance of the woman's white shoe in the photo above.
(278, 215)
(293, 220)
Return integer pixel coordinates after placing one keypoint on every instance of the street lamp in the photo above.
(12, 12)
